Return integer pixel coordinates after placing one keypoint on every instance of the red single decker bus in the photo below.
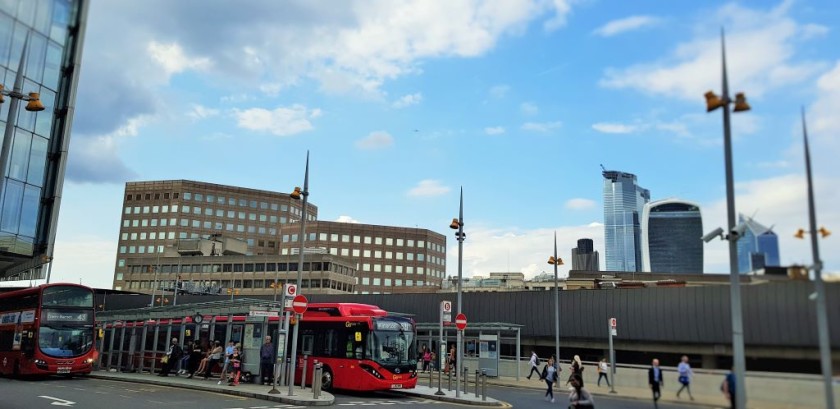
(361, 347)
(47, 330)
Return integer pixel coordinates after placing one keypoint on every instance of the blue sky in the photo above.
(401, 103)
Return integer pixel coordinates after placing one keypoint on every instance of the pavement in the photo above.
(703, 396)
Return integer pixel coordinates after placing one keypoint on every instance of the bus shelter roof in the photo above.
(237, 306)
(478, 326)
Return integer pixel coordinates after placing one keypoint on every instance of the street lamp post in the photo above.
(458, 224)
(713, 102)
(819, 286)
(301, 195)
(557, 261)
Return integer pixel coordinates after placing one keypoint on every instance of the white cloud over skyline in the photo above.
(626, 24)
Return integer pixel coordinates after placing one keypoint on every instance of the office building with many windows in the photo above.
(209, 226)
(624, 201)
(45, 37)
(671, 232)
(758, 247)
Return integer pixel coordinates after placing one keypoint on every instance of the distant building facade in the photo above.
(624, 201)
(161, 218)
(584, 256)
(758, 247)
(38, 154)
(671, 232)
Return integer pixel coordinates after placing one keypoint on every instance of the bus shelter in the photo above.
(135, 340)
(484, 343)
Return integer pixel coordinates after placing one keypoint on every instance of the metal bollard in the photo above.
(477, 377)
(449, 384)
(431, 376)
(483, 385)
(316, 380)
(303, 373)
(466, 375)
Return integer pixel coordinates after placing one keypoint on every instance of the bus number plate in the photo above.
(63, 369)
(396, 386)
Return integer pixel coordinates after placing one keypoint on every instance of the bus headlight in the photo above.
(369, 369)
(40, 364)
(89, 361)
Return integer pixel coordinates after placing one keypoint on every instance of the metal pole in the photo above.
(612, 359)
(738, 355)
(556, 304)
(154, 283)
(819, 286)
(438, 355)
(302, 238)
(459, 353)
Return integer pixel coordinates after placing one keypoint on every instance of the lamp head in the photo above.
(455, 224)
(741, 103)
(34, 104)
(558, 261)
(800, 234)
(824, 232)
(296, 193)
(713, 101)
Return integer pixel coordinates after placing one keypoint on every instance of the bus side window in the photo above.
(308, 343)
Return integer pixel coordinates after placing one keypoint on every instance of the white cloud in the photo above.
(541, 126)
(625, 24)
(408, 100)
(580, 204)
(375, 140)
(428, 188)
(281, 121)
(494, 130)
(499, 91)
(173, 60)
(346, 219)
(529, 108)
(809, 31)
(81, 260)
(604, 127)
(760, 47)
(202, 112)
(497, 249)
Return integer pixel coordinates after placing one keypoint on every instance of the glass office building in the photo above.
(47, 35)
(671, 232)
(758, 247)
(624, 201)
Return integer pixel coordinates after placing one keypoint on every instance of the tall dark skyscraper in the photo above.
(671, 231)
(584, 256)
(623, 204)
(49, 34)
(758, 247)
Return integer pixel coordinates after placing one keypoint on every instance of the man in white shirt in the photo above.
(535, 362)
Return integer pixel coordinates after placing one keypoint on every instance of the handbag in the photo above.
(683, 379)
(165, 359)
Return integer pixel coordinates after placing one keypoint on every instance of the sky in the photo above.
(403, 103)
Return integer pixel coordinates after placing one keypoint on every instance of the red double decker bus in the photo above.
(47, 330)
(361, 347)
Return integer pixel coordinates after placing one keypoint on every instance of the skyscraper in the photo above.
(48, 34)
(623, 204)
(584, 256)
(671, 231)
(758, 247)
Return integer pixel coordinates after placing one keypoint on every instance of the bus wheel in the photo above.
(327, 380)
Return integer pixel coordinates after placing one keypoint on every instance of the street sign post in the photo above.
(461, 321)
(445, 315)
(613, 323)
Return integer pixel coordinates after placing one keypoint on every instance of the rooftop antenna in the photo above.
(602, 167)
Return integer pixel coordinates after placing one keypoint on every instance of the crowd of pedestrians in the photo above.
(193, 358)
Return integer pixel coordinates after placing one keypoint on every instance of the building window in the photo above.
(367, 240)
(187, 196)
(389, 241)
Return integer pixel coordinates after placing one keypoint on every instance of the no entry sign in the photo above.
(299, 304)
(460, 321)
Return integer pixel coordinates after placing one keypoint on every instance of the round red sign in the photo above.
(461, 321)
(299, 304)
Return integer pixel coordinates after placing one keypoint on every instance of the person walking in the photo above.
(655, 381)
(267, 361)
(603, 370)
(728, 387)
(535, 362)
(427, 359)
(171, 358)
(549, 374)
(579, 397)
(453, 359)
(576, 368)
(686, 373)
